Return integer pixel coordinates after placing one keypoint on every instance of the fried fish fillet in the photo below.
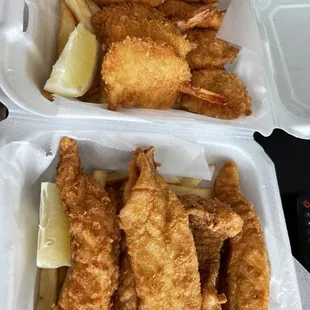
(95, 235)
(160, 244)
(152, 3)
(115, 23)
(177, 10)
(126, 296)
(248, 275)
(210, 52)
(210, 229)
(203, 1)
(143, 74)
(224, 83)
(207, 16)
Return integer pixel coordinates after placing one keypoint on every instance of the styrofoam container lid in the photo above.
(273, 64)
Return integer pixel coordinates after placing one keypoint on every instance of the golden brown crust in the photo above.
(177, 9)
(210, 229)
(160, 243)
(152, 3)
(115, 22)
(126, 295)
(224, 83)
(248, 275)
(210, 52)
(207, 16)
(142, 73)
(95, 235)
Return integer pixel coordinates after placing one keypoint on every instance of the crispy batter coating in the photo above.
(143, 74)
(160, 244)
(207, 16)
(224, 83)
(210, 229)
(177, 9)
(152, 3)
(115, 22)
(203, 1)
(95, 235)
(248, 275)
(126, 295)
(210, 52)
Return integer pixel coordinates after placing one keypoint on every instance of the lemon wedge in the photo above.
(53, 240)
(75, 69)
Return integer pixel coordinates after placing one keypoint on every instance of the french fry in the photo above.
(172, 180)
(47, 289)
(115, 177)
(62, 275)
(212, 170)
(190, 182)
(66, 26)
(82, 12)
(47, 95)
(101, 176)
(202, 192)
(93, 6)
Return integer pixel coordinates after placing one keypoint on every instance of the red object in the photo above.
(306, 204)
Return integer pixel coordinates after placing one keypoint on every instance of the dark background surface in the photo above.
(291, 157)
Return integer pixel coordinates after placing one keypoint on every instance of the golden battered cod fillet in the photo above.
(224, 83)
(95, 235)
(115, 23)
(211, 222)
(143, 74)
(160, 244)
(126, 295)
(210, 52)
(177, 10)
(248, 274)
(152, 3)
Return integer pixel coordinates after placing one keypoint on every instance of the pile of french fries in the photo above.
(51, 280)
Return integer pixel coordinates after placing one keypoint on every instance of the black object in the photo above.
(291, 157)
(303, 224)
(3, 112)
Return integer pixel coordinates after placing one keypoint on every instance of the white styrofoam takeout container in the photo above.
(23, 70)
(29, 31)
(19, 198)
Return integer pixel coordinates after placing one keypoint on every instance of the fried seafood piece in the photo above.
(95, 235)
(152, 3)
(126, 297)
(160, 243)
(247, 279)
(178, 10)
(143, 73)
(225, 83)
(210, 52)
(115, 23)
(211, 222)
(207, 16)
(203, 1)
